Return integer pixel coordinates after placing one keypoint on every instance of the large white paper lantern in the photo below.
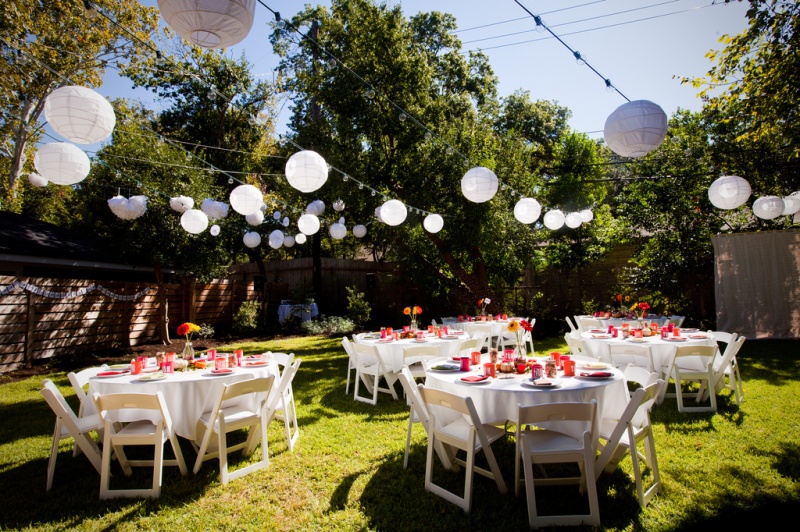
(79, 114)
(214, 230)
(300, 238)
(527, 210)
(586, 216)
(306, 171)
(209, 23)
(194, 221)
(181, 203)
(308, 224)
(635, 128)
(338, 231)
(255, 218)
(573, 220)
(359, 231)
(433, 223)
(729, 192)
(246, 199)
(479, 184)
(215, 210)
(791, 204)
(288, 241)
(36, 180)
(251, 239)
(394, 212)
(276, 239)
(768, 207)
(62, 163)
(316, 207)
(128, 208)
(554, 219)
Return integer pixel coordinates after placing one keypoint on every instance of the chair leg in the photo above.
(408, 440)
(51, 464)
(158, 468)
(222, 442)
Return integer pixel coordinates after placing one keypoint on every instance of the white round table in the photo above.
(663, 350)
(498, 327)
(392, 351)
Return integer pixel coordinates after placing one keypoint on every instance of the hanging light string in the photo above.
(523, 18)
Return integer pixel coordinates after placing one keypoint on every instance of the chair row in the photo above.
(271, 398)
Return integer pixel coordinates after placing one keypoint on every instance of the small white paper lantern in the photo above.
(246, 199)
(209, 23)
(128, 208)
(306, 171)
(300, 238)
(308, 224)
(378, 214)
(338, 205)
(554, 219)
(729, 192)
(62, 163)
(393, 212)
(359, 231)
(316, 207)
(479, 184)
(214, 230)
(79, 114)
(791, 204)
(573, 220)
(251, 239)
(285, 221)
(288, 241)
(255, 218)
(194, 221)
(215, 210)
(433, 223)
(276, 215)
(181, 203)
(338, 231)
(36, 180)
(276, 239)
(527, 210)
(768, 207)
(586, 216)
(635, 128)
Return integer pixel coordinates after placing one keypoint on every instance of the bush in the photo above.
(358, 310)
(206, 331)
(328, 325)
(246, 318)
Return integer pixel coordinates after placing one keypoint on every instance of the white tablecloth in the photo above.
(663, 350)
(617, 322)
(187, 393)
(304, 312)
(498, 327)
(392, 352)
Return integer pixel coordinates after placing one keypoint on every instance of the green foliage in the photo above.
(358, 308)
(245, 320)
(206, 331)
(328, 325)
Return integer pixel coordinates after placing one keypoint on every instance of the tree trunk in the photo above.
(163, 307)
(18, 156)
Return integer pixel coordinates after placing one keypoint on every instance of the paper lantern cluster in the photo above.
(79, 114)
(306, 171)
(316, 207)
(36, 180)
(359, 231)
(276, 239)
(635, 128)
(61, 163)
(308, 224)
(338, 230)
(768, 207)
(209, 23)
(128, 208)
(251, 239)
(479, 184)
(255, 218)
(554, 219)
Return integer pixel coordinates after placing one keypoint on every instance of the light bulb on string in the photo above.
(539, 24)
(579, 58)
(402, 117)
(609, 86)
(428, 135)
(369, 94)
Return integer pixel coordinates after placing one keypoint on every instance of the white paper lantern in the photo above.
(128, 208)
(378, 214)
(276, 239)
(181, 203)
(300, 238)
(635, 128)
(768, 207)
(62, 163)
(246, 199)
(79, 114)
(527, 210)
(573, 220)
(432, 223)
(479, 184)
(791, 204)
(729, 192)
(308, 224)
(288, 241)
(36, 180)
(586, 216)
(359, 231)
(338, 205)
(285, 221)
(255, 218)
(554, 219)
(276, 215)
(338, 231)
(215, 210)
(209, 23)
(393, 212)
(316, 207)
(194, 221)
(214, 230)
(263, 208)
(251, 239)
(306, 171)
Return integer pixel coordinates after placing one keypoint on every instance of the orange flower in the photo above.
(417, 310)
(407, 311)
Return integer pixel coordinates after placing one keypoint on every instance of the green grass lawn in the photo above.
(738, 467)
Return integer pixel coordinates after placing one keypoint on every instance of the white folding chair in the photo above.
(473, 344)
(727, 367)
(484, 332)
(140, 432)
(416, 358)
(287, 409)
(624, 434)
(694, 363)
(417, 413)
(466, 432)
(68, 424)
(509, 340)
(78, 381)
(622, 355)
(586, 322)
(677, 321)
(369, 371)
(556, 441)
(351, 361)
(577, 346)
(640, 376)
(232, 411)
(277, 402)
(572, 326)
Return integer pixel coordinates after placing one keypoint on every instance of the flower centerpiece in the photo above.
(482, 304)
(644, 306)
(519, 328)
(187, 329)
(412, 313)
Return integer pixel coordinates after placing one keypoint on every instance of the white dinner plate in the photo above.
(687, 330)
(604, 335)
(673, 339)
(255, 364)
(542, 384)
(637, 340)
(120, 366)
(593, 365)
(484, 381)
(152, 377)
(420, 340)
(590, 377)
(218, 372)
(386, 340)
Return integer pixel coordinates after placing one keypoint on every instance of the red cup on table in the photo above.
(221, 363)
(475, 357)
(239, 354)
(557, 357)
(490, 369)
(676, 332)
(614, 332)
(446, 330)
(537, 371)
(211, 354)
(508, 354)
(430, 328)
(569, 367)
(136, 367)
(406, 328)
(465, 363)
(610, 328)
(522, 367)
(169, 367)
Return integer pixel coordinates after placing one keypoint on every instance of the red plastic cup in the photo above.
(522, 367)
(557, 356)
(475, 357)
(676, 332)
(221, 363)
(537, 371)
(168, 367)
(569, 368)
(465, 363)
(136, 367)
(211, 354)
(490, 369)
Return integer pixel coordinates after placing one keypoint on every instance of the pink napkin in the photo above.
(597, 374)
(475, 378)
(111, 373)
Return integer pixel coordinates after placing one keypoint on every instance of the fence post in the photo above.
(29, 330)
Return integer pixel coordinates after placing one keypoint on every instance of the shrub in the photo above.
(246, 318)
(358, 309)
(328, 325)
(206, 331)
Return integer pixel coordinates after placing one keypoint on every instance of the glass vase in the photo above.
(188, 351)
(413, 324)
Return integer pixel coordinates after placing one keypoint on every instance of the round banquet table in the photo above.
(498, 326)
(663, 350)
(187, 393)
(496, 400)
(617, 322)
(392, 351)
